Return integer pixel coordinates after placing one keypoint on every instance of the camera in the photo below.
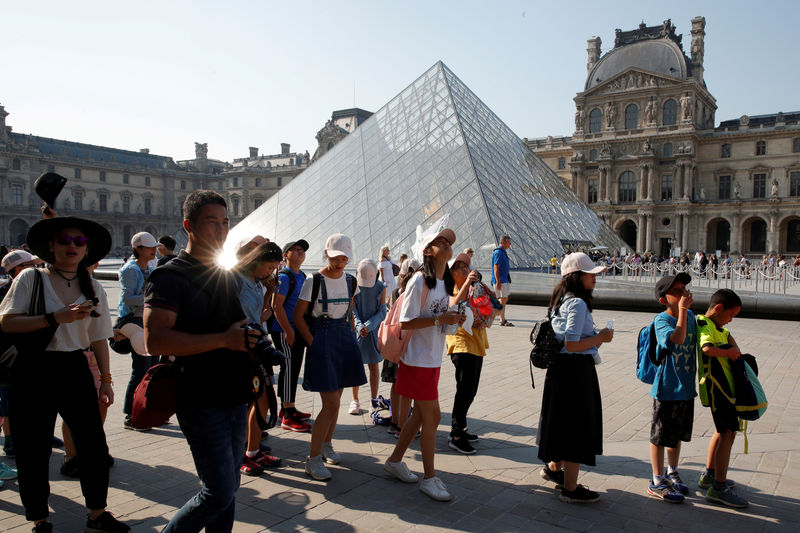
(264, 350)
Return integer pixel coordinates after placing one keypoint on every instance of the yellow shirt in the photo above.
(463, 342)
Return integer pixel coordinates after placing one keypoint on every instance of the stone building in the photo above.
(648, 158)
(342, 123)
(128, 191)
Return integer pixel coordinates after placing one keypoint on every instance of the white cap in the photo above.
(144, 239)
(409, 265)
(14, 259)
(579, 261)
(337, 245)
(367, 273)
(437, 229)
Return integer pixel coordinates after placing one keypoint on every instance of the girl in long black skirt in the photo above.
(571, 422)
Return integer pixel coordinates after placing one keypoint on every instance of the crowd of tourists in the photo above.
(218, 328)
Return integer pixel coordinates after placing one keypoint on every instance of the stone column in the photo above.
(641, 193)
(648, 243)
(682, 172)
(736, 233)
(574, 175)
(650, 185)
(685, 228)
(678, 230)
(772, 231)
(641, 233)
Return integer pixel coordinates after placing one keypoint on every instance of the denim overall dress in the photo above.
(333, 361)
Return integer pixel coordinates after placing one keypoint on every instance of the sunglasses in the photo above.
(78, 240)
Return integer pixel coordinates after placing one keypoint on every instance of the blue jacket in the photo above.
(131, 295)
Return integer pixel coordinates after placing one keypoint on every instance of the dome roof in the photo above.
(659, 56)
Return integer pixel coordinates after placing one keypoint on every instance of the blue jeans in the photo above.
(217, 437)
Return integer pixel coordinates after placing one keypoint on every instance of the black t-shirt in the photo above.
(206, 301)
(165, 259)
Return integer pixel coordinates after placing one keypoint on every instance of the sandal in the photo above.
(250, 467)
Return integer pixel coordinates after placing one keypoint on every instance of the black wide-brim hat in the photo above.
(44, 231)
(48, 186)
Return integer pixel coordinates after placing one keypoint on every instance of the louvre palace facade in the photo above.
(649, 157)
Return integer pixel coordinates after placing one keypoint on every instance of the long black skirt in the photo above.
(571, 420)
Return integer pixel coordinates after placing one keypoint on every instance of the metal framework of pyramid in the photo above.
(434, 149)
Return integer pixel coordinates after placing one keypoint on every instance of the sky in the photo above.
(164, 74)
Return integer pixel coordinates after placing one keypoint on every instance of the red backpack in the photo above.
(392, 340)
(154, 398)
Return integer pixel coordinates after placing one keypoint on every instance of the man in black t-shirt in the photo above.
(166, 249)
(192, 312)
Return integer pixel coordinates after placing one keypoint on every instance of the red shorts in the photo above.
(418, 382)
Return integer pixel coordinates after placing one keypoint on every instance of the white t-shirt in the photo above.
(77, 335)
(338, 299)
(426, 346)
(388, 275)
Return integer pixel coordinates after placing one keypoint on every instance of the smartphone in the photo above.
(610, 324)
(88, 304)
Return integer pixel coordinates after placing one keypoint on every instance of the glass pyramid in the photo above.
(435, 148)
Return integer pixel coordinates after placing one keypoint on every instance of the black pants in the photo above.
(57, 383)
(290, 368)
(468, 375)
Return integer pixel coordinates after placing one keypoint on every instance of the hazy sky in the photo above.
(235, 74)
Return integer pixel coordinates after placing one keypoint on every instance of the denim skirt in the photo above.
(333, 361)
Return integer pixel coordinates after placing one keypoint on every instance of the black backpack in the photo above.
(545, 343)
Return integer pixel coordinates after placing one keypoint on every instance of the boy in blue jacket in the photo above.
(673, 389)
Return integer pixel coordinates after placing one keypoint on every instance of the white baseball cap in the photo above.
(367, 273)
(144, 239)
(15, 258)
(579, 261)
(337, 245)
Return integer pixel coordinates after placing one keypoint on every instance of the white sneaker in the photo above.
(435, 489)
(355, 408)
(401, 472)
(316, 468)
(329, 455)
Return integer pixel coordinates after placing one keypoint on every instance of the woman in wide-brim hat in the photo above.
(57, 380)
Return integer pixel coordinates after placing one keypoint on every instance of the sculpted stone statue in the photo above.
(605, 151)
(611, 115)
(201, 150)
(774, 191)
(702, 193)
(579, 118)
(650, 111)
(737, 190)
(306, 158)
(686, 107)
(646, 147)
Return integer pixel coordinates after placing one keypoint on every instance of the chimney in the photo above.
(144, 150)
(593, 50)
(253, 152)
(698, 47)
(285, 148)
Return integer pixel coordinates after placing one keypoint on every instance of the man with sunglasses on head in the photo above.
(131, 307)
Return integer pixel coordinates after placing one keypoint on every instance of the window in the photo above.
(595, 120)
(666, 187)
(592, 196)
(77, 196)
(147, 181)
(148, 206)
(103, 199)
(126, 204)
(670, 112)
(16, 194)
(77, 173)
(102, 175)
(183, 185)
(759, 185)
(235, 182)
(257, 203)
(126, 179)
(593, 154)
(667, 149)
(796, 145)
(562, 163)
(724, 188)
(726, 151)
(627, 187)
(761, 148)
(16, 164)
(236, 207)
(632, 117)
(258, 182)
(280, 182)
(794, 184)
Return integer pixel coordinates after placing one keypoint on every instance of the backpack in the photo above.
(545, 343)
(292, 284)
(647, 358)
(154, 398)
(392, 340)
(352, 285)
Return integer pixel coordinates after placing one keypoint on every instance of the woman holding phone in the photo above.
(76, 316)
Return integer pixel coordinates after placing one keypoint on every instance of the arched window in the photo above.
(593, 154)
(632, 117)
(595, 120)
(562, 163)
(670, 112)
(667, 149)
(627, 187)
